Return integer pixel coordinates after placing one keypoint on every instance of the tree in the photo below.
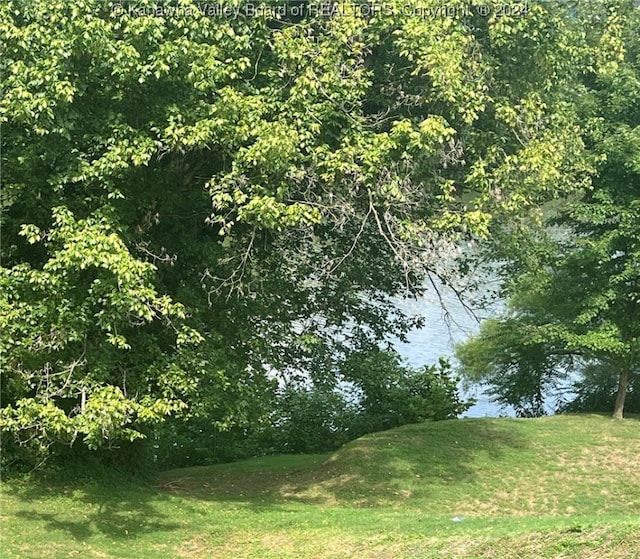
(521, 369)
(193, 202)
(597, 389)
(575, 304)
(575, 314)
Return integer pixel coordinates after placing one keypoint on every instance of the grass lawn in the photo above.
(564, 486)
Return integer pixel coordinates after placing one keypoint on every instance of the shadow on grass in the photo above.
(376, 470)
(115, 509)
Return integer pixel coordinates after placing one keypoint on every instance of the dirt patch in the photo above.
(196, 547)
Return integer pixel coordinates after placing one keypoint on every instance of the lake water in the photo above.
(441, 331)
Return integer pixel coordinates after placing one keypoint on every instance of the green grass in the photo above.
(565, 486)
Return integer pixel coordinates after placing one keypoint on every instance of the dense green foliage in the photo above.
(193, 205)
(574, 292)
(597, 388)
(379, 393)
(382, 394)
(391, 395)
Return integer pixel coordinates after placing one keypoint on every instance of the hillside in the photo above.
(565, 486)
(475, 467)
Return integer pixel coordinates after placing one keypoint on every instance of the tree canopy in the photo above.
(574, 296)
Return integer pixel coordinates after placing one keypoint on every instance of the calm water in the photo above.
(441, 331)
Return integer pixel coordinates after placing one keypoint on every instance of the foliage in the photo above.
(191, 203)
(574, 302)
(376, 392)
(520, 369)
(393, 394)
(307, 421)
(195, 441)
(596, 390)
(379, 393)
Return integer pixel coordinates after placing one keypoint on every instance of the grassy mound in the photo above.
(565, 486)
(476, 467)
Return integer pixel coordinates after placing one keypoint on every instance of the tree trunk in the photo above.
(622, 393)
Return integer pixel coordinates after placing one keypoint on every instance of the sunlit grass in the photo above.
(566, 486)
